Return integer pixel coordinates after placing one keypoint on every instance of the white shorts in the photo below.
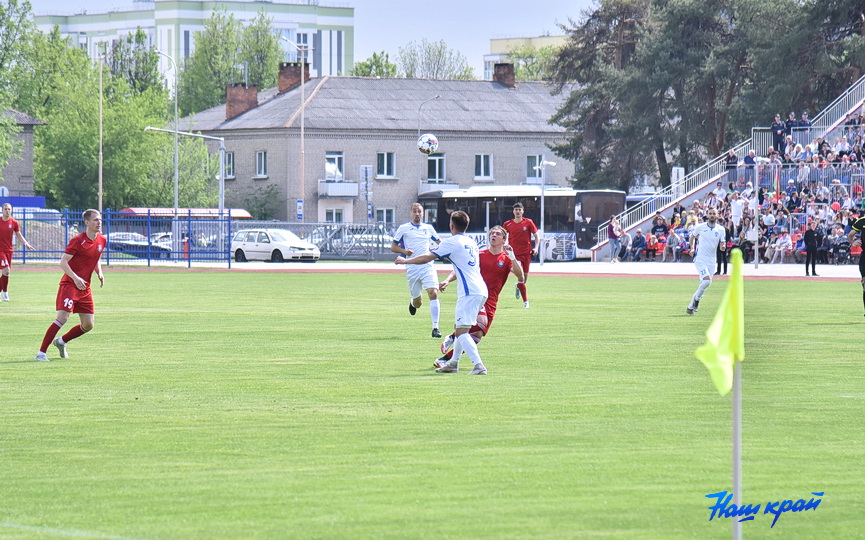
(467, 310)
(421, 277)
(704, 270)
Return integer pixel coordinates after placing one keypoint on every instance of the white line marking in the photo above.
(63, 532)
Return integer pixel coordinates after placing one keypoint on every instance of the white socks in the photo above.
(434, 312)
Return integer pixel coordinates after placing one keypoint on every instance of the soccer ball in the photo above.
(427, 143)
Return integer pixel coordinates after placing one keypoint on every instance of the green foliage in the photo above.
(436, 60)
(532, 64)
(260, 50)
(15, 27)
(264, 202)
(602, 429)
(377, 65)
(134, 60)
(657, 83)
(213, 64)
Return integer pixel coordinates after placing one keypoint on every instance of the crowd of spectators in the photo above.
(766, 202)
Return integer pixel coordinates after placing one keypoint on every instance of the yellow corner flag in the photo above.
(725, 338)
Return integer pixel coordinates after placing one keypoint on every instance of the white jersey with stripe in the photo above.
(417, 238)
(708, 239)
(462, 252)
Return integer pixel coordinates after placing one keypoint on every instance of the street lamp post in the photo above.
(302, 50)
(101, 67)
(543, 170)
(419, 107)
(176, 127)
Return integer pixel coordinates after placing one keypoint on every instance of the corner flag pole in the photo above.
(737, 446)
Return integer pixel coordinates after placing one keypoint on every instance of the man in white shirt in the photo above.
(782, 244)
(462, 252)
(737, 209)
(707, 238)
(720, 192)
(411, 239)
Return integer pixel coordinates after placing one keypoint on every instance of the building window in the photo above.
(334, 166)
(333, 215)
(384, 215)
(229, 164)
(386, 167)
(533, 166)
(261, 164)
(187, 49)
(483, 166)
(435, 167)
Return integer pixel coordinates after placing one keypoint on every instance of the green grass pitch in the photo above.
(279, 405)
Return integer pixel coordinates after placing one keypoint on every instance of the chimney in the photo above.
(289, 75)
(504, 74)
(240, 99)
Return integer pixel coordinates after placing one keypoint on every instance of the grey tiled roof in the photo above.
(22, 119)
(363, 103)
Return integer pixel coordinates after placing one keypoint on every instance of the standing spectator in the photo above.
(731, 162)
(659, 226)
(521, 231)
(778, 131)
(8, 228)
(790, 123)
(710, 235)
(750, 162)
(811, 248)
(614, 234)
(738, 205)
(79, 261)
(804, 127)
(721, 254)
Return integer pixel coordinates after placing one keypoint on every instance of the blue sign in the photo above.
(300, 209)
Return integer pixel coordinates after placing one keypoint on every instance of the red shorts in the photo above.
(5, 259)
(486, 317)
(525, 260)
(72, 299)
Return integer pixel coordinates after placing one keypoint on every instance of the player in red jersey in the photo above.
(497, 263)
(520, 233)
(81, 259)
(8, 227)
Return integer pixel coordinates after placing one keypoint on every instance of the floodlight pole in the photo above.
(302, 50)
(176, 127)
(542, 168)
(101, 65)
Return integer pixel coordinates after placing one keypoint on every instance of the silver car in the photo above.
(275, 245)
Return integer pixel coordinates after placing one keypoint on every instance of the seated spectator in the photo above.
(783, 244)
(659, 225)
(638, 245)
(673, 246)
(824, 248)
(652, 246)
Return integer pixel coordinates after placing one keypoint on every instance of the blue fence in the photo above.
(131, 238)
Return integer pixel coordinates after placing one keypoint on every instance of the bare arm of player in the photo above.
(396, 248)
(851, 236)
(444, 284)
(420, 259)
(64, 265)
(99, 274)
(537, 245)
(516, 267)
(23, 240)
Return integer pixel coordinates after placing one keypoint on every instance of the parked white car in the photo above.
(275, 245)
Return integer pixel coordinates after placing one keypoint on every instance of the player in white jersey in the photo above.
(462, 252)
(708, 237)
(414, 238)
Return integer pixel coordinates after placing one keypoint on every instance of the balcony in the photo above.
(332, 188)
(425, 186)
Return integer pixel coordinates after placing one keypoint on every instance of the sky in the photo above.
(386, 25)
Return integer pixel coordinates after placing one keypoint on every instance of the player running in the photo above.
(712, 236)
(412, 239)
(462, 252)
(79, 261)
(8, 228)
(856, 228)
(520, 231)
(497, 262)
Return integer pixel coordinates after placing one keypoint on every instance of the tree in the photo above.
(433, 61)
(377, 65)
(213, 64)
(532, 64)
(260, 50)
(133, 59)
(15, 25)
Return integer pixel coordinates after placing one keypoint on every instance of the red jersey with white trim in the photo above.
(495, 270)
(7, 231)
(85, 256)
(520, 235)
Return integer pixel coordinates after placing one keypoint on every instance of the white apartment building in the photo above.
(328, 32)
